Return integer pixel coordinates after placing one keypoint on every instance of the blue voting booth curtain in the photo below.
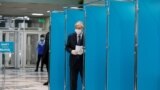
(57, 47)
(95, 44)
(121, 46)
(73, 15)
(149, 45)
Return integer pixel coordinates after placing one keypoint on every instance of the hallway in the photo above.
(22, 79)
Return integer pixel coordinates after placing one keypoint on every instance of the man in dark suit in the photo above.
(74, 46)
(45, 59)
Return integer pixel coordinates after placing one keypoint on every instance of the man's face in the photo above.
(79, 27)
(42, 38)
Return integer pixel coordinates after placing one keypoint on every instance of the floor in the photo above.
(22, 79)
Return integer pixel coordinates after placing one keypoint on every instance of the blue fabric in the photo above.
(57, 54)
(121, 46)
(149, 45)
(95, 43)
(41, 47)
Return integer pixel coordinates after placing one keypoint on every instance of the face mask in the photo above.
(42, 39)
(78, 31)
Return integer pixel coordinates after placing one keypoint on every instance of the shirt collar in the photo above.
(80, 34)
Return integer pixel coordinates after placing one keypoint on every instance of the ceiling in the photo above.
(26, 8)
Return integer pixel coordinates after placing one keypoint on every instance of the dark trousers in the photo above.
(47, 66)
(38, 61)
(46, 62)
(75, 70)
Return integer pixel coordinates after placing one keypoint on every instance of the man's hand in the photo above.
(74, 52)
(80, 52)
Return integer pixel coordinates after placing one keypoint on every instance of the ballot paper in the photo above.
(79, 49)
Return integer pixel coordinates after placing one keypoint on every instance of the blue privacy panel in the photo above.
(73, 15)
(149, 45)
(121, 46)
(96, 53)
(57, 46)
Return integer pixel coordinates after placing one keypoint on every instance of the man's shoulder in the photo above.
(47, 34)
(72, 34)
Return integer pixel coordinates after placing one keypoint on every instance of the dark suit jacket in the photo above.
(46, 50)
(71, 44)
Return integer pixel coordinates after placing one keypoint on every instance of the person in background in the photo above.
(74, 46)
(81, 2)
(45, 59)
(40, 49)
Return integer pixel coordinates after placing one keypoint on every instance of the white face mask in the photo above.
(42, 39)
(78, 31)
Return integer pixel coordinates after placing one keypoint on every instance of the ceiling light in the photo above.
(74, 7)
(37, 14)
(48, 11)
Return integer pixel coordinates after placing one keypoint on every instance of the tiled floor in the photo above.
(22, 79)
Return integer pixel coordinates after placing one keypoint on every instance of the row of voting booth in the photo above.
(122, 46)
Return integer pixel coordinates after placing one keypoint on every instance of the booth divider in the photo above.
(57, 48)
(121, 46)
(149, 45)
(96, 47)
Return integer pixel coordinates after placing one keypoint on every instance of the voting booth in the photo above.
(63, 24)
(72, 16)
(109, 49)
(121, 46)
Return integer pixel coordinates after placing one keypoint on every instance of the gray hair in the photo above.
(79, 23)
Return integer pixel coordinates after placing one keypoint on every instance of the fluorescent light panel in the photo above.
(37, 14)
(48, 11)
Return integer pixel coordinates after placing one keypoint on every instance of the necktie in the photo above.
(79, 40)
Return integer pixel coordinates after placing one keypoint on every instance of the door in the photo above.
(31, 50)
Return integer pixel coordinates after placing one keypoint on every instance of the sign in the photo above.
(41, 20)
(6, 47)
